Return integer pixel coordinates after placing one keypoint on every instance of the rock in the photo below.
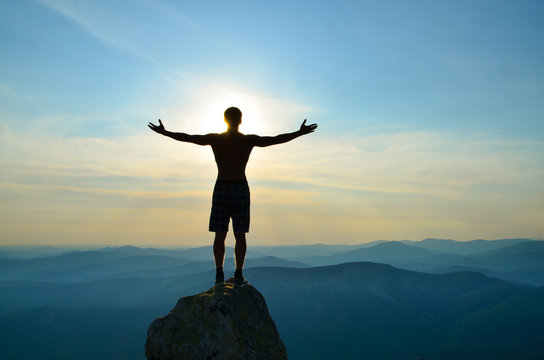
(221, 323)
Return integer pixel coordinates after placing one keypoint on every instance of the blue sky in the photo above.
(430, 118)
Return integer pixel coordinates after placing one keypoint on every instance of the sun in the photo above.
(215, 104)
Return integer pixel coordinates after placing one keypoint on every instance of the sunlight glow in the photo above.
(210, 113)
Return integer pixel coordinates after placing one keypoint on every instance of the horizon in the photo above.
(231, 245)
(430, 120)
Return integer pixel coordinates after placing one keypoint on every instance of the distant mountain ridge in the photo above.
(431, 299)
(464, 247)
(391, 251)
(321, 312)
(517, 260)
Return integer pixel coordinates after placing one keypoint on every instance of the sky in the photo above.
(430, 114)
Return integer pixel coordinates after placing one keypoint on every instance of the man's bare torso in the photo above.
(231, 151)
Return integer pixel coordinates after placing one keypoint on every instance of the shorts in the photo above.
(230, 200)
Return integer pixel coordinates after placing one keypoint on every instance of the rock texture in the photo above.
(221, 323)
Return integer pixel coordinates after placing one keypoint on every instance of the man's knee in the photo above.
(220, 237)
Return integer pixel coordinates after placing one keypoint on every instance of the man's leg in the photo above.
(240, 249)
(240, 256)
(219, 255)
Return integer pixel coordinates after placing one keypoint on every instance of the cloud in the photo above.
(396, 185)
(418, 163)
(124, 25)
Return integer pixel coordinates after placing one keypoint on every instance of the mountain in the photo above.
(152, 287)
(114, 293)
(464, 247)
(521, 262)
(346, 311)
(75, 333)
(306, 251)
(376, 311)
(29, 252)
(82, 266)
(203, 266)
(204, 253)
(523, 256)
(123, 262)
(132, 267)
(390, 252)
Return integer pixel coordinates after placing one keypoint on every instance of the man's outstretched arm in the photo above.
(195, 139)
(263, 141)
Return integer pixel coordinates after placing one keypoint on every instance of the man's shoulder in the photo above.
(212, 136)
(237, 136)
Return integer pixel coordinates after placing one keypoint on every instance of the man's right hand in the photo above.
(306, 129)
(157, 128)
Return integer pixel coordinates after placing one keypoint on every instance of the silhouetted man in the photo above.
(231, 192)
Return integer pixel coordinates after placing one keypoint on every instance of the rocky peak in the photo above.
(221, 323)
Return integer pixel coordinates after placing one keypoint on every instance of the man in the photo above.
(231, 192)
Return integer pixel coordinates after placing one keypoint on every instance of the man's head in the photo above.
(233, 117)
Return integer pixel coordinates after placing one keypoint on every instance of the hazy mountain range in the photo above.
(517, 260)
(477, 299)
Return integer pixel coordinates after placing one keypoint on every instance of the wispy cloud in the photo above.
(391, 185)
(123, 25)
(424, 163)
